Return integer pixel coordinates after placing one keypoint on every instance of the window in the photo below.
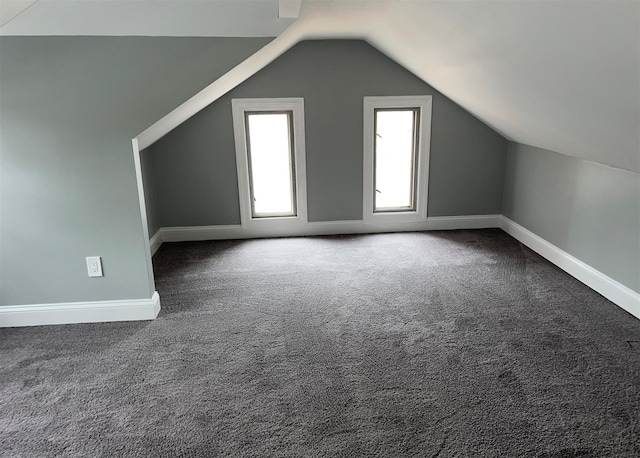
(269, 136)
(396, 156)
(271, 164)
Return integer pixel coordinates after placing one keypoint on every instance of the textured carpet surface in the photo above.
(459, 343)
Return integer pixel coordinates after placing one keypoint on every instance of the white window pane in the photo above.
(394, 159)
(270, 159)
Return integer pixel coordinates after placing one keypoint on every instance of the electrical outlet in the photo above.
(94, 266)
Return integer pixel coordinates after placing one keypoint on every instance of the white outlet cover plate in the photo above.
(94, 266)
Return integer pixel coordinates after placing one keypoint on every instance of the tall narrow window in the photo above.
(271, 164)
(269, 136)
(396, 158)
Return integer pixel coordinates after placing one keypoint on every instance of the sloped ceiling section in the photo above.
(10, 9)
(203, 18)
(560, 75)
(563, 76)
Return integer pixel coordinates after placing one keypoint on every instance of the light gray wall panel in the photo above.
(149, 185)
(467, 164)
(195, 171)
(69, 108)
(195, 164)
(587, 209)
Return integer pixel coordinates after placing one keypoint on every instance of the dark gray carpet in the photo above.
(430, 344)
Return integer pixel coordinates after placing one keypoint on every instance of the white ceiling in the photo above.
(204, 18)
(9, 9)
(562, 75)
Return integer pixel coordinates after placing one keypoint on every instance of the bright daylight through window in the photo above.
(271, 164)
(269, 139)
(397, 136)
(395, 159)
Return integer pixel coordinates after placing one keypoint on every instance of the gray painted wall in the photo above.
(149, 185)
(194, 166)
(589, 210)
(69, 108)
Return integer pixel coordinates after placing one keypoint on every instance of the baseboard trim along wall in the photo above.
(79, 312)
(155, 242)
(148, 309)
(616, 292)
(228, 232)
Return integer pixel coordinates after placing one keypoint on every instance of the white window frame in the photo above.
(296, 105)
(423, 104)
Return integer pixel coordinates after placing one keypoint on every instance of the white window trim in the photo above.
(422, 176)
(296, 105)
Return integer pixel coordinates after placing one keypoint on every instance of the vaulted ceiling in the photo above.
(560, 75)
(205, 18)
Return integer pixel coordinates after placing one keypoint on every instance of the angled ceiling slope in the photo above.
(205, 18)
(561, 75)
(10, 9)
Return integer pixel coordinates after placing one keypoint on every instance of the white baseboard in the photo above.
(79, 312)
(155, 242)
(616, 292)
(194, 233)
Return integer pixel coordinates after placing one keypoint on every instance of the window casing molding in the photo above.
(423, 133)
(240, 107)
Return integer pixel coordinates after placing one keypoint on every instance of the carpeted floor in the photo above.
(434, 344)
